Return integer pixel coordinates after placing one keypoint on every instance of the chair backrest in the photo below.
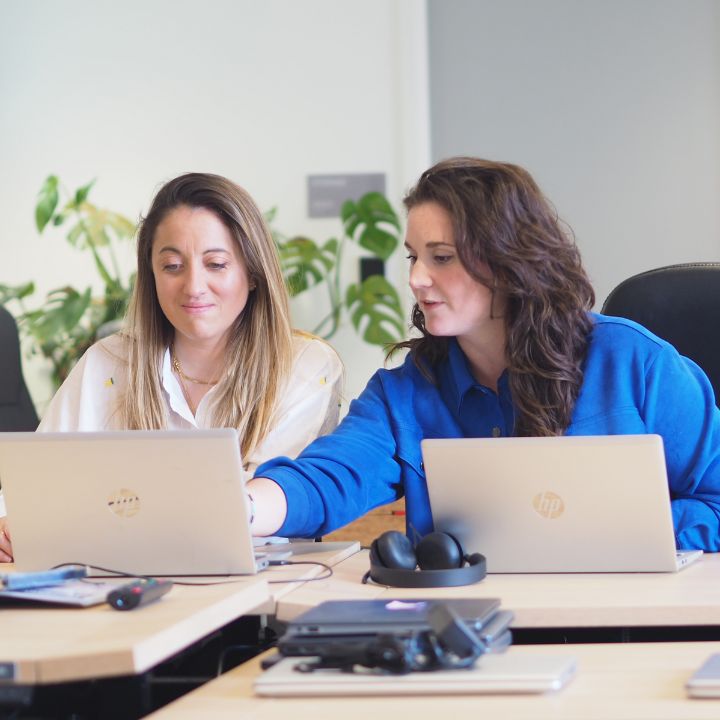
(17, 412)
(679, 303)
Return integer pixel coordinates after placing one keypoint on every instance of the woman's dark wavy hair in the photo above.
(502, 220)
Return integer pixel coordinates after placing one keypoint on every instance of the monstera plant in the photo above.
(67, 322)
(70, 320)
(373, 304)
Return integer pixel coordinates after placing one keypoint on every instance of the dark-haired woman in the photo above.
(507, 346)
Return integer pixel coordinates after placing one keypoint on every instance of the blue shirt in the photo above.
(633, 383)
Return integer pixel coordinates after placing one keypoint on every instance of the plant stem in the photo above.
(93, 249)
(113, 259)
(335, 292)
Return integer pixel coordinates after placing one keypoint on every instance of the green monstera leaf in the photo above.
(375, 310)
(61, 313)
(47, 202)
(15, 292)
(372, 223)
(305, 263)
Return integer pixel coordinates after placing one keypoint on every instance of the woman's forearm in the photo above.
(270, 506)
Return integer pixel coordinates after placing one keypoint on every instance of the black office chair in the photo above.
(679, 303)
(16, 408)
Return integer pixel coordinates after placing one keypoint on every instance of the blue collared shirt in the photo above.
(478, 410)
(633, 383)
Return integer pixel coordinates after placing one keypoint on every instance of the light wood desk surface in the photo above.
(53, 644)
(285, 579)
(689, 597)
(630, 681)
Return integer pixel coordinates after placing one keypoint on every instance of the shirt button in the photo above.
(496, 431)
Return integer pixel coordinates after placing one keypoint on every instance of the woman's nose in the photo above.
(194, 280)
(419, 276)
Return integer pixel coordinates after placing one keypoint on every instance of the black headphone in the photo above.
(440, 557)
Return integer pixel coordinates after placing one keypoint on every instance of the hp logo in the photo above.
(548, 505)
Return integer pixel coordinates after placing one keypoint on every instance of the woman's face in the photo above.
(200, 278)
(453, 303)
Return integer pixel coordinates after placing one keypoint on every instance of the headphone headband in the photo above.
(453, 577)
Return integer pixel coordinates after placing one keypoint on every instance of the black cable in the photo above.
(301, 562)
(232, 648)
(242, 578)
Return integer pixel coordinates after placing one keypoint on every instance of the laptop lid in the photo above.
(142, 502)
(555, 504)
(508, 672)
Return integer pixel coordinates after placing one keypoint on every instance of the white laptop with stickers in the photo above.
(556, 504)
(145, 503)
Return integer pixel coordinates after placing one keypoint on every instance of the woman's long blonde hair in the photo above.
(259, 351)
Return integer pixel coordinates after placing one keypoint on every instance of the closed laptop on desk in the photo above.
(498, 674)
(556, 504)
(144, 502)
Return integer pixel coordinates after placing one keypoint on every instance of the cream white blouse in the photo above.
(89, 398)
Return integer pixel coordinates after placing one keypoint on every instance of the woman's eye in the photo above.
(171, 267)
(442, 259)
(217, 265)
(411, 258)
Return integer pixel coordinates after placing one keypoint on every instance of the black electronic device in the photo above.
(438, 560)
(448, 644)
(378, 615)
(137, 593)
(349, 625)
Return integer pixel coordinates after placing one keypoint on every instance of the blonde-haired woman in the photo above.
(208, 340)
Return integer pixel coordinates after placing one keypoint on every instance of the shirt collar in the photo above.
(171, 385)
(460, 370)
(458, 379)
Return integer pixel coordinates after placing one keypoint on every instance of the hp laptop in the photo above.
(141, 502)
(556, 504)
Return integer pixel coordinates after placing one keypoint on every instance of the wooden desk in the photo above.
(629, 681)
(51, 645)
(688, 598)
(134, 659)
(285, 579)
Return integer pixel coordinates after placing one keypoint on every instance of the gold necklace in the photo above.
(178, 369)
(186, 395)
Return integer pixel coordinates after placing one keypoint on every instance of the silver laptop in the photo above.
(556, 504)
(146, 503)
(509, 672)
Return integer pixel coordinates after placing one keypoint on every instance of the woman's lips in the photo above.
(429, 304)
(196, 309)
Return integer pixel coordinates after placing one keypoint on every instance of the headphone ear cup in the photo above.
(475, 559)
(439, 551)
(393, 550)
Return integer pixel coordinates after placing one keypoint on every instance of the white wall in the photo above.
(613, 105)
(136, 92)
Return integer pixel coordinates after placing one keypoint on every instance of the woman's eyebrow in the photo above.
(433, 244)
(173, 249)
